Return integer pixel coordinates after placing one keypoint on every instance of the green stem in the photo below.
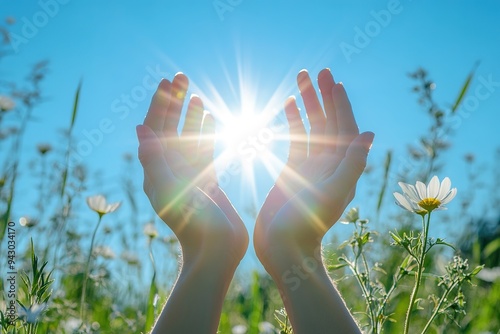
(355, 271)
(418, 277)
(438, 307)
(87, 268)
(372, 312)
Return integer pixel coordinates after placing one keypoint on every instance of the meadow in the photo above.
(84, 265)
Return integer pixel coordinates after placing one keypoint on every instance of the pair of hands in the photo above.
(313, 190)
(316, 184)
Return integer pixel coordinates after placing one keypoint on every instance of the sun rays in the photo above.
(252, 137)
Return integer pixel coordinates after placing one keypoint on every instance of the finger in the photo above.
(190, 135)
(298, 136)
(178, 93)
(347, 127)
(314, 112)
(155, 118)
(206, 147)
(150, 152)
(326, 84)
(343, 182)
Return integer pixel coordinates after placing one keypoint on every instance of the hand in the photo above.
(180, 179)
(319, 179)
(311, 193)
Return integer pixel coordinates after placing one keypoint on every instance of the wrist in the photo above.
(285, 262)
(217, 259)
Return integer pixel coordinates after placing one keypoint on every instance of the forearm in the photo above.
(195, 304)
(311, 300)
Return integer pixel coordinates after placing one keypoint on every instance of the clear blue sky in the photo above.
(118, 46)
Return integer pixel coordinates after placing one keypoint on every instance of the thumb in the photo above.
(344, 180)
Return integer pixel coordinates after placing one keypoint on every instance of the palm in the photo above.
(318, 180)
(180, 179)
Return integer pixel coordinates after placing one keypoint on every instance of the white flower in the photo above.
(104, 251)
(351, 216)
(6, 103)
(27, 222)
(98, 204)
(266, 328)
(44, 148)
(239, 329)
(32, 314)
(423, 199)
(150, 230)
(130, 258)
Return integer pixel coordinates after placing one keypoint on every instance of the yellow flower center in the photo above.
(429, 204)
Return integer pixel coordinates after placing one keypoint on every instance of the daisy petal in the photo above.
(445, 188)
(433, 187)
(410, 191)
(403, 202)
(449, 196)
(421, 189)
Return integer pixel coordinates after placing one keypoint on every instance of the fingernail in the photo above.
(164, 85)
(369, 141)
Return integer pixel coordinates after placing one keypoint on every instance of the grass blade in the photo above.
(464, 89)
(150, 308)
(72, 123)
(387, 167)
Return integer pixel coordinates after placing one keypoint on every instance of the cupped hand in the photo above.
(180, 179)
(320, 176)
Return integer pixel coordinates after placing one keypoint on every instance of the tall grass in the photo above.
(126, 287)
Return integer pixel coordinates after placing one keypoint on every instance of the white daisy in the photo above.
(98, 204)
(150, 230)
(422, 199)
(6, 103)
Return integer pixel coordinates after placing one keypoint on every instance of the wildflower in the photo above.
(98, 204)
(130, 258)
(170, 240)
(6, 103)
(44, 148)
(27, 222)
(351, 216)
(105, 252)
(422, 199)
(150, 230)
(31, 315)
(239, 329)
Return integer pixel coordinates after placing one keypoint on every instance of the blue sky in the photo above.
(255, 48)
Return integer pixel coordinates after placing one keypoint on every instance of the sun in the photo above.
(246, 137)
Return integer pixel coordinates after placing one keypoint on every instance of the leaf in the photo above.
(150, 308)
(75, 106)
(396, 238)
(442, 242)
(476, 270)
(336, 266)
(464, 89)
(491, 247)
(72, 123)
(387, 165)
